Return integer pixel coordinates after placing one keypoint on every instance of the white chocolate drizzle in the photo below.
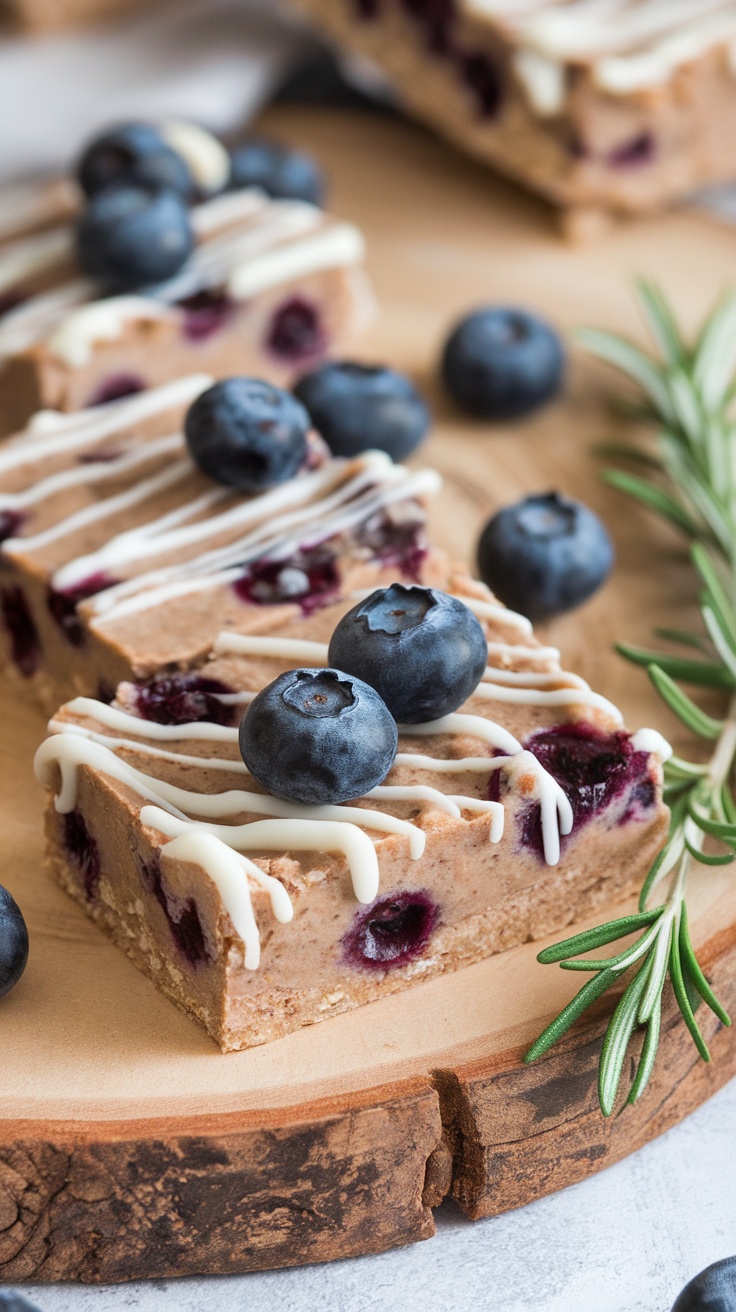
(629, 44)
(206, 157)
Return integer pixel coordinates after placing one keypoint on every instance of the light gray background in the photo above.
(626, 1240)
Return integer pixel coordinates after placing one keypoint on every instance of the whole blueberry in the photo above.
(13, 942)
(421, 649)
(318, 737)
(282, 173)
(247, 434)
(357, 407)
(11, 1301)
(130, 154)
(133, 236)
(544, 555)
(502, 363)
(714, 1290)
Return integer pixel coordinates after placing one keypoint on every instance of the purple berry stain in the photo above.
(183, 699)
(632, 154)
(115, 386)
(309, 579)
(482, 79)
(296, 333)
(10, 522)
(10, 301)
(205, 314)
(63, 604)
(391, 932)
(593, 768)
(185, 924)
(397, 545)
(25, 644)
(82, 850)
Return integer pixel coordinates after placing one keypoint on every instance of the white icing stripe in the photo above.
(28, 322)
(451, 765)
(33, 255)
(508, 649)
(475, 726)
(336, 247)
(631, 44)
(187, 577)
(557, 697)
(298, 650)
(206, 157)
(95, 471)
(531, 678)
(299, 836)
(100, 321)
(88, 427)
(105, 509)
(498, 614)
(231, 208)
(651, 742)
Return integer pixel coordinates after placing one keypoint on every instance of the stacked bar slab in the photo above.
(501, 823)
(272, 287)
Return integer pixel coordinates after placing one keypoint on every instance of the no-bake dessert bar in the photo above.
(612, 105)
(120, 559)
(271, 287)
(496, 824)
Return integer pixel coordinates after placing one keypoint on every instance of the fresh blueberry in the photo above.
(133, 154)
(13, 942)
(501, 363)
(133, 236)
(319, 737)
(11, 1301)
(358, 406)
(714, 1290)
(421, 649)
(544, 555)
(247, 434)
(282, 173)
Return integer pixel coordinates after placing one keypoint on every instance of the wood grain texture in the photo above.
(129, 1146)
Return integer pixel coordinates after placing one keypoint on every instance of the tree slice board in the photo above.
(129, 1146)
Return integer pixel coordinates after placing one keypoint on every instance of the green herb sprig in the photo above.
(689, 479)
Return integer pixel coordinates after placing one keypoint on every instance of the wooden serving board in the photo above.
(129, 1146)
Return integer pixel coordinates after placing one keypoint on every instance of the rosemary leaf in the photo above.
(685, 709)
(648, 1054)
(616, 1041)
(654, 497)
(683, 1001)
(706, 674)
(709, 859)
(596, 938)
(588, 994)
(687, 955)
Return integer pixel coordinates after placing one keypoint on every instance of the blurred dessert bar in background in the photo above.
(600, 105)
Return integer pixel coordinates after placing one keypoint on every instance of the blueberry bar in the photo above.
(270, 288)
(120, 558)
(600, 105)
(499, 823)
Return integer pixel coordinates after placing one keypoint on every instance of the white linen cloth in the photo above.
(214, 61)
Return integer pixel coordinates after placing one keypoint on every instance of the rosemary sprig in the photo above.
(689, 479)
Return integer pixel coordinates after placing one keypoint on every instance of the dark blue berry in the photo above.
(247, 434)
(714, 1290)
(133, 236)
(13, 942)
(501, 363)
(421, 649)
(11, 1301)
(319, 737)
(282, 173)
(544, 555)
(357, 407)
(133, 153)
